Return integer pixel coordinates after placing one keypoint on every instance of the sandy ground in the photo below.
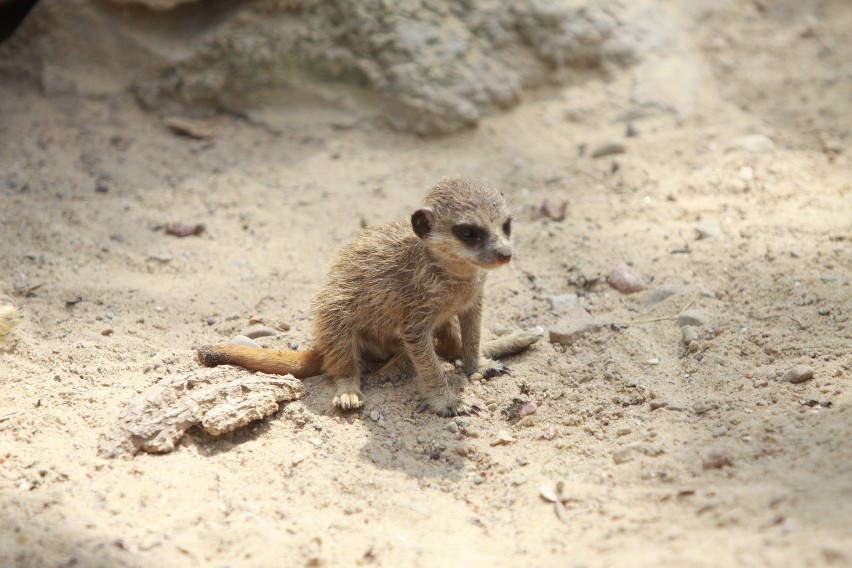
(668, 454)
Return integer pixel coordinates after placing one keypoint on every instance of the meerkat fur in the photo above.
(10, 316)
(411, 289)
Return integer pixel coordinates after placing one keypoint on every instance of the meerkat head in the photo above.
(466, 221)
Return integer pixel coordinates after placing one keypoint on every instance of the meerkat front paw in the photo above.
(349, 400)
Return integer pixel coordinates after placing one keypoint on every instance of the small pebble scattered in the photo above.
(572, 326)
(798, 374)
(246, 341)
(754, 143)
(694, 317)
(562, 303)
(659, 294)
(709, 229)
(374, 415)
(625, 279)
(610, 147)
(261, 331)
(717, 459)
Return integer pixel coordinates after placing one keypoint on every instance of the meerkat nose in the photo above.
(504, 257)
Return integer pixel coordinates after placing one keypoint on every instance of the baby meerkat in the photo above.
(398, 292)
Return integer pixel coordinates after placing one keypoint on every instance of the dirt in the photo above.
(649, 444)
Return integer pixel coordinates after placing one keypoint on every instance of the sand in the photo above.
(662, 446)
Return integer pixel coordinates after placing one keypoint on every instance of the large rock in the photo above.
(435, 66)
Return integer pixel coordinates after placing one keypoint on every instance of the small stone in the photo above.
(658, 295)
(503, 438)
(798, 374)
(260, 331)
(632, 131)
(694, 317)
(709, 229)
(190, 128)
(562, 303)
(717, 459)
(627, 453)
(453, 428)
(719, 432)
(374, 415)
(574, 325)
(693, 346)
(526, 408)
(657, 404)
(625, 279)
(690, 334)
(754, 143)
(610, 147)
(555, 211)
(746, 173)
(246, 341)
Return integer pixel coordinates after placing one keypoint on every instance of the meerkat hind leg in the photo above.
(509, 344)
(503, 347)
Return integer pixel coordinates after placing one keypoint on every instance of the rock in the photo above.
(627, 453)
(374, 415)
(260, 331)
(798, 374)
(709, 229)
(717, 459)
(562, 303)
(576, 323)
(553, 210)
(247, 341)
(754, 143)
(453, 428)
(610, 147)
(503, 438)
(657, 404)
(690, 333)
(526, 408)
(694, 317)
(625, 279)
(659, 294)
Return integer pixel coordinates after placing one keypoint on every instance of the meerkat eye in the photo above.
(507, 227)
(468, 233)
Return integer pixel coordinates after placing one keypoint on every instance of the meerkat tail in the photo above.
(509, 344)
(299, 364)
(9, 318)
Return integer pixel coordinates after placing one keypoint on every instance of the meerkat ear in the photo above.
(421, 221)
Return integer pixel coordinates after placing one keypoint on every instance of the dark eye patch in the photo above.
(470, 233)
(507, 227)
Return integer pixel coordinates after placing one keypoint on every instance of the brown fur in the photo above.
(397, 291)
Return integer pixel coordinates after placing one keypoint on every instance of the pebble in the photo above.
(657, 404)
(693, 317)
(261, 331)
(754, 143)
(627, 453)
(690, 333)
(719, 432)
(625, 279)
(374, 415)
(709, 229)
(717, 459)
(746, 173)
(574, 325)
(562, 303)
(610, 147)
(453, 428)
(555, 211)
(246, 341)
(526, 408)
(798, 374)
(662, 293)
